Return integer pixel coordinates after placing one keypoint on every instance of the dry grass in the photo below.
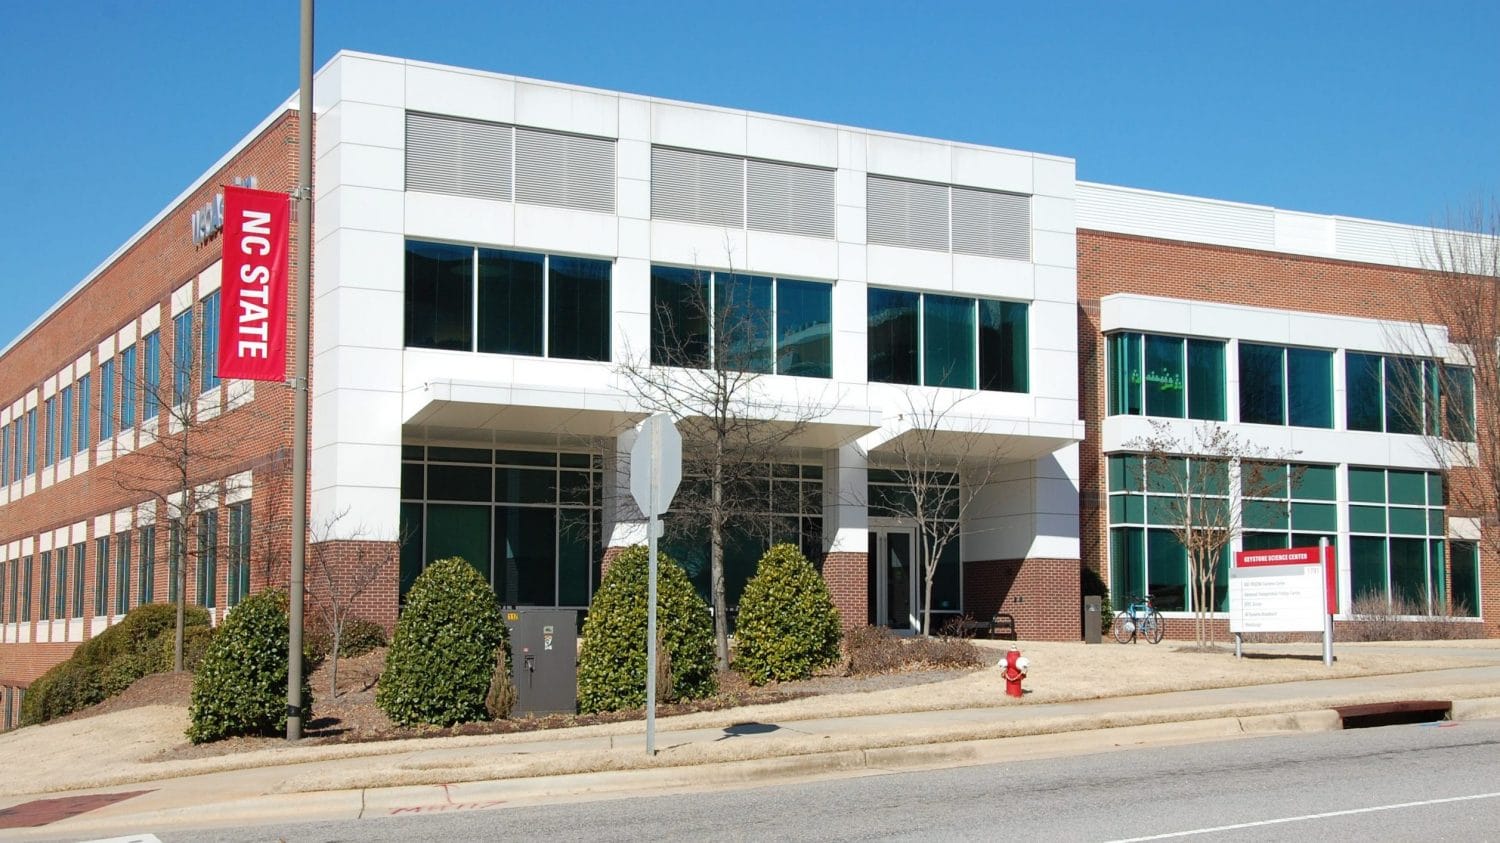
(1377, 619)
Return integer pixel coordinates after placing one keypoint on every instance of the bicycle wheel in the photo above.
(1154, 627)
(1124, 629)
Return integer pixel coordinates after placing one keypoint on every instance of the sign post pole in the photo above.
(1329, 598)
(655, 471)
(651, 524)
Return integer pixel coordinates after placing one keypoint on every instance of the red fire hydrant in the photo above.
(1014, 670)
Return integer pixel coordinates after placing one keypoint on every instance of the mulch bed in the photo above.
(353, 717)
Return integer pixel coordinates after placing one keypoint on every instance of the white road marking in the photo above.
(1306, 817)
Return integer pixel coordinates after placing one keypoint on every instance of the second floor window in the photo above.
(209, 351)
(128, 385)
(925, 339)
(1171, 377)
(1292, 386)
(750, 323)
(182, 355)
(498, 301)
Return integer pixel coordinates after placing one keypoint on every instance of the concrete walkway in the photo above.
(415, 777)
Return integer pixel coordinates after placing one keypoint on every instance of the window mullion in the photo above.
(546, 305)
(922, 339)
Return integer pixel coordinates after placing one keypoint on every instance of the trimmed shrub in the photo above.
(240, 687)
(443, 656)
(788, 626)
(873, 649)
(612, 663)
(109, 662)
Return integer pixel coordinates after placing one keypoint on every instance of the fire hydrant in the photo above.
(1014, 670)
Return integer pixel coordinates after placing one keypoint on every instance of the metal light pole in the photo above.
(299, 378)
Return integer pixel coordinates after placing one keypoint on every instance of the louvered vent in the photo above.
(697, 187)
(907, 213)
(789, 198)
(570, 171)
(986, 222)
(457, 156)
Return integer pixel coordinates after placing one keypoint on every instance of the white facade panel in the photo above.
(992, 169)
(459, 219)
(792, 141)
(567, 109)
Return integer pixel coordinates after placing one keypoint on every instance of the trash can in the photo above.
(1093, 624)
(544, 660)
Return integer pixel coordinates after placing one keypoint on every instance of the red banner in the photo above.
(253, 287)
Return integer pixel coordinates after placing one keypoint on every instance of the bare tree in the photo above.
(1451, 398)
(1206, 480)
(186, 453)
(344, 565)
(943, 463)
(712, 345)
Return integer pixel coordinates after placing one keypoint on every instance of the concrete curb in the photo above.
(640, 774)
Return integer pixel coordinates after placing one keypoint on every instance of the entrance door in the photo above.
(893, 558)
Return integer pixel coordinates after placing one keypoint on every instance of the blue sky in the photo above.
(1372, 109)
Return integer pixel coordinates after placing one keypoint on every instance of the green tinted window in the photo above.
(1363, 400)
(892, 336)
(1408, 522)
(804, 328)
(1165, 381)
(1367, 519)
(948, 340)
(1309, 393)
(1003, 346)
(1125, 374)
(1262, 384)
(1319, 517)
(1367, 567)
(1316, 482)
(1367, 484)
(1409, 487)
(1205, 364)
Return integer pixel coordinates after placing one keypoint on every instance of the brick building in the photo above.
(491, 251)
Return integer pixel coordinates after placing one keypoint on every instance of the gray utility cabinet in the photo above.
(544, 660)
(1093, 620)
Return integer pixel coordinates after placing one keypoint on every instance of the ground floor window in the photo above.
(530, 522)
(1396, 542)
(780, 502)
(1145, 554)
(146, 589)
(1464, 585)
(237, 578)
(208, 558)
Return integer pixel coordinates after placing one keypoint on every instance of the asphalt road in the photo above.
(1421, 782)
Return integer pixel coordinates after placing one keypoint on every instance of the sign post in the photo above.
(655, 471)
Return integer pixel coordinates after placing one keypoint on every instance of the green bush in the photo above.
(443, 655)
(240, 688)
(109, 662)
(788, 626)
(612, 663)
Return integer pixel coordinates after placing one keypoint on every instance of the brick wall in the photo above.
(1118, 263)
(360, 576)
(847, 575)
(1042, 594)
(244, 438)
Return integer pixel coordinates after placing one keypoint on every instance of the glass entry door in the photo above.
(894, 560)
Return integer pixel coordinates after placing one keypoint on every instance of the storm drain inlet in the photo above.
(1394, 713)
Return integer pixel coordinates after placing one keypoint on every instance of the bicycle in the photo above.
(1139, 618)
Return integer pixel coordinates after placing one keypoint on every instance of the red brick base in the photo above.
(848, 575)
(1042, 594)
(362, 575)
